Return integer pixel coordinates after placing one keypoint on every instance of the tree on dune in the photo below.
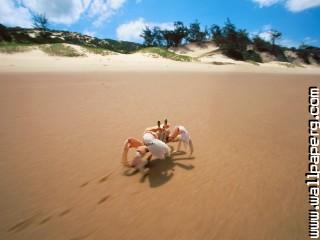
(232, 41)
(195, 34)
(179, 33)
(307, 53)
(148, 36)
(174, 38)
(40, 21)
(158, 37)
(261, 44)
(275, 35)
(216, 34)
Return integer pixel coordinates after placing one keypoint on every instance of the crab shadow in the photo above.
(162, 170)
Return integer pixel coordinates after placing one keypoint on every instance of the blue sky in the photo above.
(298, 20)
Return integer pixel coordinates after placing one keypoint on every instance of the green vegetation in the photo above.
(253, 62)
(99, 51)
(261, 45)
(6, 47)
(250, 55)
(59, 49)
(163, 52)
(120, 46)
(194, 33)
(288, 65)
(157, 37)
(306, 52)
(234, 43)
(56, 49)
(221, 63)
(41, 35)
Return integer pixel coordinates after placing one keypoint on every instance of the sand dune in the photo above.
(204, 61)
(196, 49)
(61, 137)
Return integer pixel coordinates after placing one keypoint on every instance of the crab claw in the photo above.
(181, 135)
(129, 143)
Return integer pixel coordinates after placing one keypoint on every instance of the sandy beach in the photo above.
(37, 61)
(61, 136)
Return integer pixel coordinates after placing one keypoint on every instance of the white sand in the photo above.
(37, 61)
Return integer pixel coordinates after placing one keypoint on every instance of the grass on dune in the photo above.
(12, 47)
(165, 53)
(253, 62)
(99, 51)
(59, 49)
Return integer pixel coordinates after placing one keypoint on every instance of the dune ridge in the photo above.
(35, 60)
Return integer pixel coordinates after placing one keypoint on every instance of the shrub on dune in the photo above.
(165, 53)
(59, 49)
(13, 47)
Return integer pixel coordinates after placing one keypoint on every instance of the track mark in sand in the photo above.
(43, 221)
(105, 178)
(65, 212)
(105, 198)
(135, 193)
(101, 180)
(81, 237)
(84, 184)
(22, 225)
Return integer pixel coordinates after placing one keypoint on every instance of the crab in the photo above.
(154, 143)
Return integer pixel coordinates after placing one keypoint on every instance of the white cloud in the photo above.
(288, 42)
(265, 34)
(310, 41)
(300, 5)
(13, 15)
(19, 12)
(283, 41)
(131, 31)
(291, 5)
(90, 33)
(116, 4)
(58, 11)
(266, 3)
(104, 9)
